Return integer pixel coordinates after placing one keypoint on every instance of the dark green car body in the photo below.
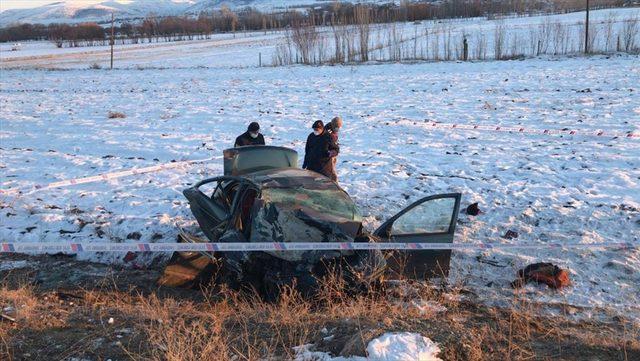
(265, 197)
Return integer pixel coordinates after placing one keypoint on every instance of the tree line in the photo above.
(205, 24)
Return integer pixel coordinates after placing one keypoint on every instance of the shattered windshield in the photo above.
(330, 204)
(297, 209)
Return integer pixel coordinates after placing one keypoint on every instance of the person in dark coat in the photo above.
(333, 128)
(251, 137)
(319, 150)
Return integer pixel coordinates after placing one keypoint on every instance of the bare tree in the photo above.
(498, 41)
(338, 41)
(305, 38)
(608, 32)
(363, 20)
(481, 46)
(630, 33)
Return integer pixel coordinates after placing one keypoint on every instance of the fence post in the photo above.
(112, 41)
(586, 31)
(260, 60)
(465, 46)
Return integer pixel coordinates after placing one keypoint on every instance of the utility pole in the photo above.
(586, 31)
(112, 40)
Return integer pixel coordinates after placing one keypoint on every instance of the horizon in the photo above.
(28, 4)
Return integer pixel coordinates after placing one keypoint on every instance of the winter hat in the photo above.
(253, 127)
(336, 122)
(318, 124)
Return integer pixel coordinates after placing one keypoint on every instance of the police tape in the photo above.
(55, 247)
(523, 130)
(106, 176)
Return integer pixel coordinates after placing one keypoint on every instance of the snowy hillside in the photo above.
(73, 11)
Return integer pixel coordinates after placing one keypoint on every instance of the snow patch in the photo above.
(396, 346)
(403, 346)
(11, 265)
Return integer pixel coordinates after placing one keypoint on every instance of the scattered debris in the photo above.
(134, 235)
(490, 262)
(8, 313)
(66, 296)
(547, 273)
(116, 115)
(130, 256)
(473, 209)
(7, 317)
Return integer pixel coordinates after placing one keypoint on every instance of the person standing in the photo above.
(251, 137)
(333, 128)
(319, 150)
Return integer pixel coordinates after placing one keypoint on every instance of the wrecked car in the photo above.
(264, 196)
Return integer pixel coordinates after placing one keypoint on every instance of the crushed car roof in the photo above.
(292, 178)
(299, 205)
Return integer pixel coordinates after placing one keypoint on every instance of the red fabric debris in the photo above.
(547, 273)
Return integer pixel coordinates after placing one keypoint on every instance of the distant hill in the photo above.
(71, 12)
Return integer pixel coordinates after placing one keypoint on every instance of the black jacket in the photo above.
(316, 153)
(245, 139)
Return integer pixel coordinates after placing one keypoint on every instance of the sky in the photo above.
(26, 4)
(22, 4)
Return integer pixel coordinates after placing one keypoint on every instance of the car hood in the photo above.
(302, 206)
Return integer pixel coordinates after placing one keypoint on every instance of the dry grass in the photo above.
(239, 325)
(19, 304)
(220, 324)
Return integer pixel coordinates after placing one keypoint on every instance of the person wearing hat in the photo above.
(319, 150)
(333, 128)
(251, 137)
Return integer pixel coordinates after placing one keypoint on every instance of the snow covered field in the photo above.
(431, 37)
(54, 125)
(222, 50)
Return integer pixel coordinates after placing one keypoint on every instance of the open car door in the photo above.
(191, 269)
(430, 220)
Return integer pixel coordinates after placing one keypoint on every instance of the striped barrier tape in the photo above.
(40, 247)
(522, 130)
(106, 176)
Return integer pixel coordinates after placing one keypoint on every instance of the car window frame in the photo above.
(385, 229)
